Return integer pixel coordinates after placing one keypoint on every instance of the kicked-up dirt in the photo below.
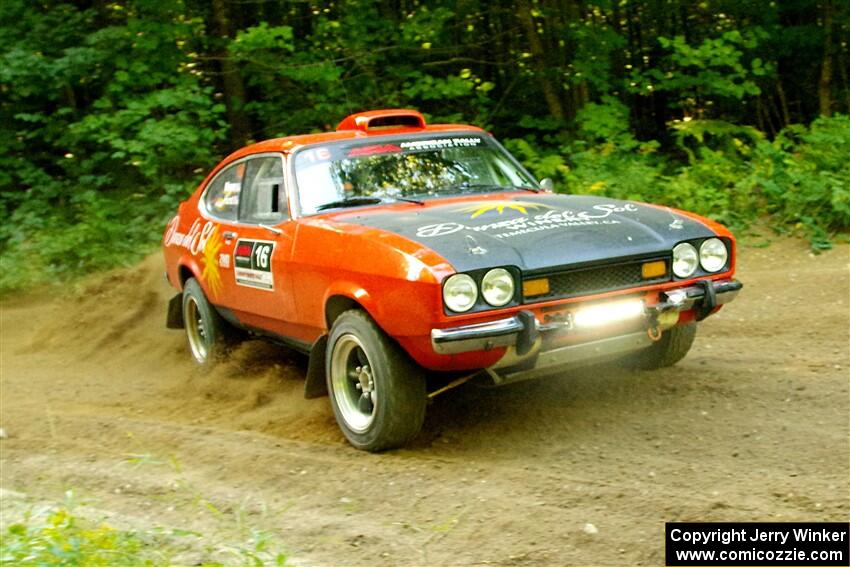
(97, 396)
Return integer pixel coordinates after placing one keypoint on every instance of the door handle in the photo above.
(229, 235)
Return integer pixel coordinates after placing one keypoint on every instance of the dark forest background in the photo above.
(112, 112)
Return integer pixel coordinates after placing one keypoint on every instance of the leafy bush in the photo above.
(714, 68)
(732, 174)
(109, 111)
(90, 231)
(800, 181)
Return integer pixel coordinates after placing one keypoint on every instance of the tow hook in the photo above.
(709, 299)
(654, 333)
(664, 316)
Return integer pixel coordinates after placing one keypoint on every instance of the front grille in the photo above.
(599, 279)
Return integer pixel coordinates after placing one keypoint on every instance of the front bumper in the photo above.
(523, 331)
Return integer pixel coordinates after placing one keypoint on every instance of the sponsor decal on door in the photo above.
(252, 264)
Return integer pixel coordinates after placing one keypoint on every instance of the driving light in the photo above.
(460, 293)
(497, 287)
(607, 313)
(713, 255)
(685, 259)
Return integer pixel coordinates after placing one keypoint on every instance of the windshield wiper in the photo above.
(524, 188)
(408, 200)
(350, 202)
(364, 200)
(476, 186)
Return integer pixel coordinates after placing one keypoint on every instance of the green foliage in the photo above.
(110, 112)
(64, 536)
(103, 126)
(714, 68)
(605, 159)
(804, 178)
(87, 232)
(733, 174)
(65, 539)
(262, 39)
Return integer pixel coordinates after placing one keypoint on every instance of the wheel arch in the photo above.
(338, 304)
(344, 296)
(186, 269)
(184, 273)
(337, 301)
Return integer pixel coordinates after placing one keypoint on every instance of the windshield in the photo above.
(368, 172)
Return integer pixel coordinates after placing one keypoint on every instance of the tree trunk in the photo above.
(783, 102)
(842, 72)
(824, 84)
(231, 78)
(538, 61)
(760, 115)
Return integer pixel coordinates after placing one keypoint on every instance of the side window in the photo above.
(222, 196)
(264, 197)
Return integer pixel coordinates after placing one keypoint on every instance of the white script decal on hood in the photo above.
(525, 224)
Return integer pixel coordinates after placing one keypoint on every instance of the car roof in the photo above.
(361, 125)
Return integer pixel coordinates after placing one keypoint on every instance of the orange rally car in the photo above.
(406, 258)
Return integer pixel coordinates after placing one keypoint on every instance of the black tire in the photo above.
(377, 393)
(672, 347)
(209, 336)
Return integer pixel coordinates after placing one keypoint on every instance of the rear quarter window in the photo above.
(221, 198)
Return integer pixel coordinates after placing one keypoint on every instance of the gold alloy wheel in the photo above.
(353, 383)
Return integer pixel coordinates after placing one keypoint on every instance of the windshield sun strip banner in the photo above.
(338, 151)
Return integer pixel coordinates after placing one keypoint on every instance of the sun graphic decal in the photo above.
(211, 275)
(484, 207)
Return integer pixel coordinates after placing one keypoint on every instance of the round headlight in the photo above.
(460, 293)
(685, 259)
(713, 255)
(497, 287)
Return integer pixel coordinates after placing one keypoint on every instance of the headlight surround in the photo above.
(497, 287)
(685, 259)
(713, 255)
(460, 293)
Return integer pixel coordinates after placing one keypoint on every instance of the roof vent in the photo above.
(383, 119)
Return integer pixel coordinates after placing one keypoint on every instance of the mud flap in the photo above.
(316, 385)
(174, 317)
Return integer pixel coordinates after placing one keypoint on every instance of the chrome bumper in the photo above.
(481, 336)
(523, 330)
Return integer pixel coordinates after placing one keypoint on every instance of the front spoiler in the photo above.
(523, 330)
(570, 357)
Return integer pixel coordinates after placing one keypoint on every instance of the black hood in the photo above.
(535, 231)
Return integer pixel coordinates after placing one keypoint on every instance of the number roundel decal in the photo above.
(253, 263)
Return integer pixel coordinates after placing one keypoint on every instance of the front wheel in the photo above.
(377, 394)
(672, 347)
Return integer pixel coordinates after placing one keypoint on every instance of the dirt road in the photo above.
(753, 425)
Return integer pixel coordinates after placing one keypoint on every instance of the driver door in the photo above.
(261, 243)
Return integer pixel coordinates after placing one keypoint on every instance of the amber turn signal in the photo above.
(655, 269)
(531, 288)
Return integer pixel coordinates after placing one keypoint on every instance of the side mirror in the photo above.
(547, 184)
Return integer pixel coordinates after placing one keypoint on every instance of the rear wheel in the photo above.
(672, 347)
(209, 335)
(377, 393)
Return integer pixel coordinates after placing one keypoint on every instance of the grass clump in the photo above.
(63, 538)
(64, 535)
